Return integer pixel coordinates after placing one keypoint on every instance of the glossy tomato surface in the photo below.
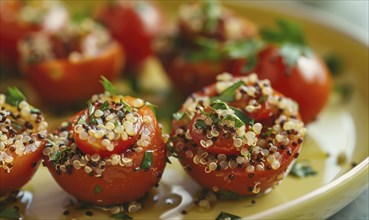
(12, 30)
(65, 82)
(309, 82)
(134, 24)
(24, 167)
(118, 184)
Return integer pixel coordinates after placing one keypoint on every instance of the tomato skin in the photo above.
(235, 180)
(192, 76)
(132, 28)
(24, 167)
(118, 184)
(12, 30)
(309, 82)
(62, 82)
(241, 183)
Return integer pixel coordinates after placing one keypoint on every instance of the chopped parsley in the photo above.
(290, 37)
(179, 115)
(200, 124)
(14, 97)
(212, 12)
(229, 195)
(59, 156)
(121, 215)
(104, 106)
(227, 216)
(242, 116)
(228, 94)
(10, 213)
(81, 120)
(147, 160)
(97, 189)
(302, 170)
(91, 109)
(152, 107)
(108, 86)
(334, 64)
(126, 105)
(219, 105)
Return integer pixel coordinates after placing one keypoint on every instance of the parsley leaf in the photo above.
(108, 86)
(10, 213)
(104, 106)
(228, 94)
(200, 124)
(242, 116)
(302, 170)
(91, 109)
(286, 31)
(121, 215)
(14, 97)
(219, 105)
(242, 49)
(227, 216)
(152, 107)
(212, 11)
(126, 105)
(59, 157)
(179, 115)
(97, 189)
(147, 160)
(292, 52)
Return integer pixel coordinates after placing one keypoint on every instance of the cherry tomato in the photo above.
(187, 58)
(249, 168)
(134, 24)
(19, 164)
(65, 81)
(118, 183)
(309, 82)
(14, 27)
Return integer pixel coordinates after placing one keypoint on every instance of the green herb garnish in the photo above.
(344, 90)
(200, 124)
(286, 32)
(291, 39)
(179, 115)
(302, 170)
(14, 97)
(91, 109)
(121, 215)
(97, 189)
(227, 216)
(152, 107)
(334, 64)
(219, 105)
(242, 116)
(262, 99)
(17, 126)
(230, 195)
(10, 213)
(212, 11)
(208, 49)
(126, 105)
(228, 94)
(242, 49)
(147, 160)
(104, 106)
(59, 157)
(108, 86)
(81, 120)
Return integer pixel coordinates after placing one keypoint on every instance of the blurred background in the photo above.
(356, 13)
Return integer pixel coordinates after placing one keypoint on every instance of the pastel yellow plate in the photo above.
(335, 142)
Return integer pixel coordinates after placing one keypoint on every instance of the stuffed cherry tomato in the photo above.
(65, 67)
(19, 18)
(110, 153)
(134, 24)
(238, 136)
(194, 55)
(22, 138)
